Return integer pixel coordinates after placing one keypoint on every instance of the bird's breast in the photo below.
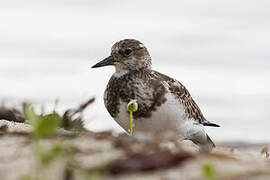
(169, 116)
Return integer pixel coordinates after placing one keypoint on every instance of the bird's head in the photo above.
(128, 54)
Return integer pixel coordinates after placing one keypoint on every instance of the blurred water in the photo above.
(219, 50)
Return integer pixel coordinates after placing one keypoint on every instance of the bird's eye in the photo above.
(127, 52)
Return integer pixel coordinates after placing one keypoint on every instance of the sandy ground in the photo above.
(112, 156)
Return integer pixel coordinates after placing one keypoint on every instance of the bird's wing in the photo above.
(191, 108)
(149, 93)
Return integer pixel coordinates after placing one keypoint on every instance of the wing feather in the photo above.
(191, 108)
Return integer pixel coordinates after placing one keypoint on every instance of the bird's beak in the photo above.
(106, 62)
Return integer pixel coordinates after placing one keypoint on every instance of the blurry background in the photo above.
(218, 49)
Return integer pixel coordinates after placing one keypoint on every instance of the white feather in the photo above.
(118, 74)
(169, 116)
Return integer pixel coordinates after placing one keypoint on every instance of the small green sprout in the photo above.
(26, 177)
(43, 125)
(209, 171)
(131, 107)
(48, 155)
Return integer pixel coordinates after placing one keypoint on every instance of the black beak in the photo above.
(106, 62)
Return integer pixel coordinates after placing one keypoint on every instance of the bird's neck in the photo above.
(121, 72)
(123, 68)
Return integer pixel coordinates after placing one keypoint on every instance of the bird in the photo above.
(163, 102)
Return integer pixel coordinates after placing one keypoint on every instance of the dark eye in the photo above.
(127, 52)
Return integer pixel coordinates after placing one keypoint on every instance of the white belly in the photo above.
(169, 116)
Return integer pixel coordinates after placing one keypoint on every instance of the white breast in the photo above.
(118, 74)
(169, 116)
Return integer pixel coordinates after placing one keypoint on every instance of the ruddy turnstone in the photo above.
(163, 102)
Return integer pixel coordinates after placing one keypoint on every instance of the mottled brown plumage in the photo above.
(191, 108)
(127, 87)
(158, 96)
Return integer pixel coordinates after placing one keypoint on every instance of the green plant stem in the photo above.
(130, 123)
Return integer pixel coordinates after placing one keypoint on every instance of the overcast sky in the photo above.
(192, 32)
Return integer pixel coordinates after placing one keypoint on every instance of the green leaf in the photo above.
(30, 116)
(42, 125)
(47, 125)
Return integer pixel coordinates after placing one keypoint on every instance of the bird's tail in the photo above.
(208, 123)
(206, 146)
(210, 142)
